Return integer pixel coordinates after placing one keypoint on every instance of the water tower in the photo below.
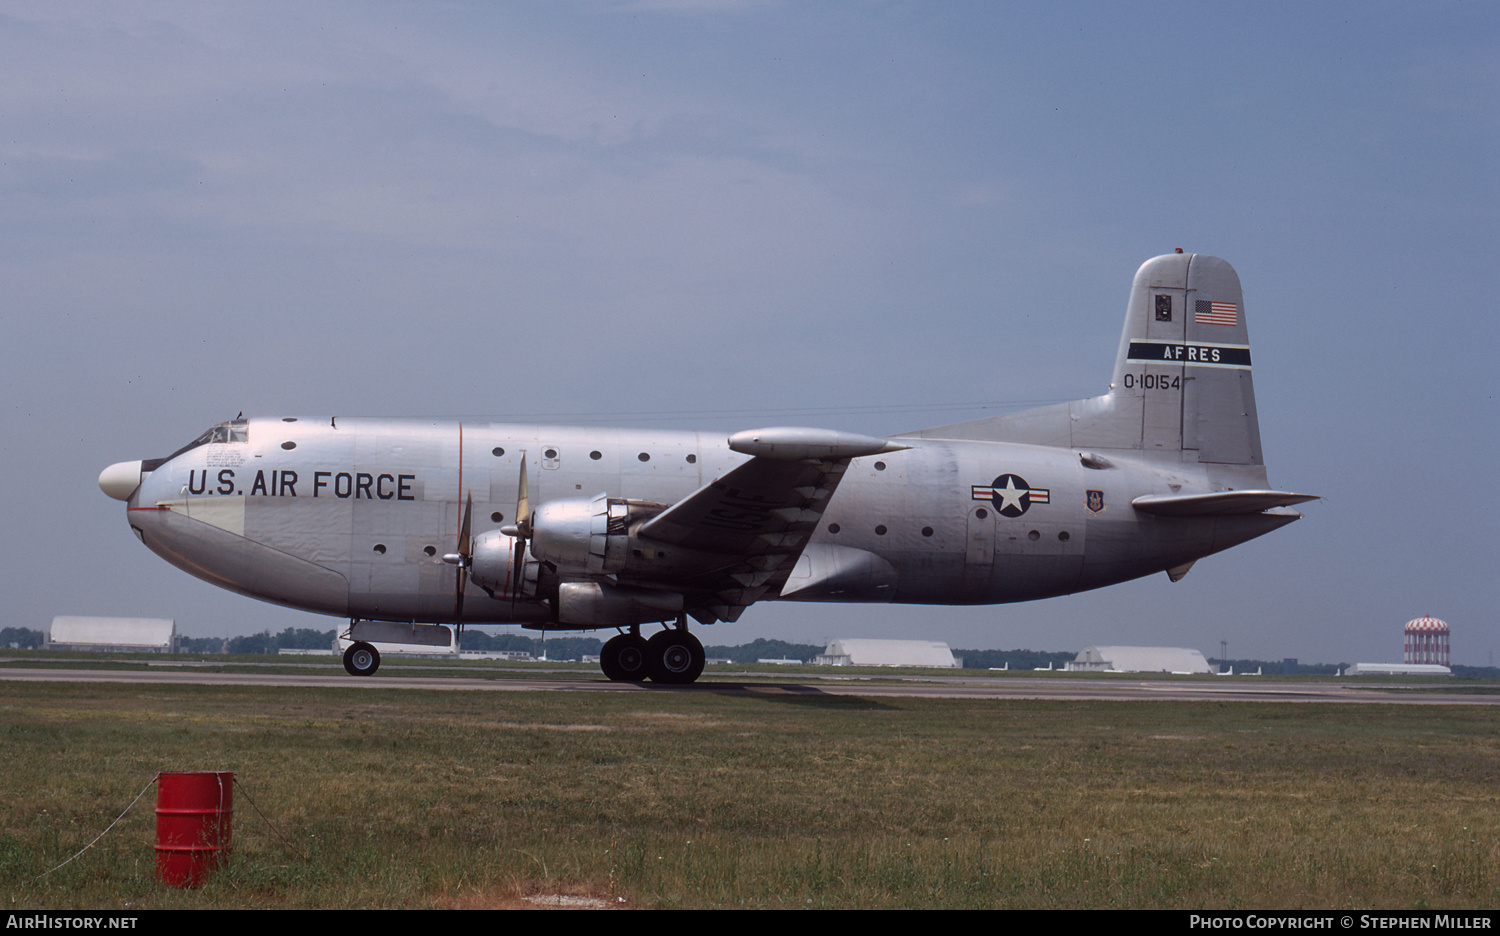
(1427, 641)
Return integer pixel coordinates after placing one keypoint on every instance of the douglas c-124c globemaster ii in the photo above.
(404, 524)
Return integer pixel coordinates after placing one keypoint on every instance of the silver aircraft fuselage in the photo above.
(449, 521)
(352, 517)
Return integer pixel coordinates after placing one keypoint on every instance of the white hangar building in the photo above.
(134, 635)
(861, 652)
(1139, 660)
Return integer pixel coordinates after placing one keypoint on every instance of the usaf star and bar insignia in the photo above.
(1011, 495)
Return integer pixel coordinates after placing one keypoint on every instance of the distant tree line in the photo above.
(21, 638)
(293, 638)
(555, 646)
(763, 649)
(1279, 667)
(1015, 659)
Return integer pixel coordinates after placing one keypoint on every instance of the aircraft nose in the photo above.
(121, 479)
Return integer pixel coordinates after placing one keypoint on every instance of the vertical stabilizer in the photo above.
(1184, 361)
(1181, 383)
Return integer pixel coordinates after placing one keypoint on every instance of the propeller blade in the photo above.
(523, 504)
(465, 549)
(523, 532)
(465, 543)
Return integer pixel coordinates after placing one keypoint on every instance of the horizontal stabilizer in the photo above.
(1219, 503)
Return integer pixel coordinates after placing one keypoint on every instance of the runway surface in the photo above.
(1224, 689)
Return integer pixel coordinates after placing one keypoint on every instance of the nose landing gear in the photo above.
(361, 659)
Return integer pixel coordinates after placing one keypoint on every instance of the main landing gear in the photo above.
(673, 657)
(361, 659)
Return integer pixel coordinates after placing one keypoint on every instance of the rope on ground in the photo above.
(106, 830)
(296, 851)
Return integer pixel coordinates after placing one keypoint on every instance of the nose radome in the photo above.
(121, 479)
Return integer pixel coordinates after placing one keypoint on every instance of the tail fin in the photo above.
(1182, 376)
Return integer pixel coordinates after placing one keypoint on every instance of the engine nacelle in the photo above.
(600, 604)
(578, 535)
(493, 567)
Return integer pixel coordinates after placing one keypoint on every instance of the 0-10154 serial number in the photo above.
(1153, 381)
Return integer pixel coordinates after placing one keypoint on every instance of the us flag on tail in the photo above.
(1216, 313)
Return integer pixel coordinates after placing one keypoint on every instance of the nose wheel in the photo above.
(361, 659)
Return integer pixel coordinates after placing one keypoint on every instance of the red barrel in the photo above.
(193, 821)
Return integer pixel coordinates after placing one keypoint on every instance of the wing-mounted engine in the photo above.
(584, 543)
(578, 535)
(502, 569)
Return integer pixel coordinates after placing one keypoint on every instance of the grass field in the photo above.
(665, 799)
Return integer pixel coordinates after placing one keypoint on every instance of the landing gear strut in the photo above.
(361, 659)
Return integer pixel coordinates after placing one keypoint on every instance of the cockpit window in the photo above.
(236, 430)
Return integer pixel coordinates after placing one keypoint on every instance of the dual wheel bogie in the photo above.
(671, 657)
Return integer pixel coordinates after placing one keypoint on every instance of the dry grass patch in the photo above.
(428, 799)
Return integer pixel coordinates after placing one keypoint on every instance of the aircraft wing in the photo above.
(760, 515)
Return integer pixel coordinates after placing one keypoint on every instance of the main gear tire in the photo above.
(623, 658)
(674, 657)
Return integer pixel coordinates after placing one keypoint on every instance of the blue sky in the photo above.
(730, 214)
